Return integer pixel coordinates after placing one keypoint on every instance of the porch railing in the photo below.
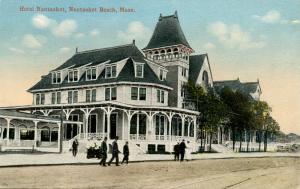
(137, 137)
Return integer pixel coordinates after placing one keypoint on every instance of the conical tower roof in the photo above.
(167, 32)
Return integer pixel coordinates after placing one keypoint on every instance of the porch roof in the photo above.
(14, 114)
(104, 104)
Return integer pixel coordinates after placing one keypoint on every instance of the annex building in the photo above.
(136, 94)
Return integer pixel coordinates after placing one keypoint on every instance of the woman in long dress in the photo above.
(188, 151)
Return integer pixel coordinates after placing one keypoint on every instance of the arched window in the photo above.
(205, 79)
(45, 134)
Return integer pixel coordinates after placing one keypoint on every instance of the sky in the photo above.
(249, 40)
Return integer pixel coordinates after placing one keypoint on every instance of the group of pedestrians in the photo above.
(115, 152)
(103, 151)
(180, 151)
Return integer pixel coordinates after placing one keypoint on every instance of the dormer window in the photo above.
(73, 75)
(161, 74)
(111, 71)
(91, 74)
(56, 77)
(139, 70)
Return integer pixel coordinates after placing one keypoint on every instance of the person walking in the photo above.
(103, 152)
(176, 152)
(182, 148)
(125, 153)
(75, 147)
(115, 152)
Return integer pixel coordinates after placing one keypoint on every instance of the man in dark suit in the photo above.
(182, 148)
(115, 152)
(125, 153)
(176, 152)
(75, 147)
(104, 152)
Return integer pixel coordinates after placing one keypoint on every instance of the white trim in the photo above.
(111, 66)
(103, 84)
(135, 69)
(73, 70)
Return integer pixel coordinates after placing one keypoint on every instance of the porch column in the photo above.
(7, 130)
(35, 133)
(128, 127)
(108, 125)
(59, 136)
(123, 126)
(86, 121)
(170, 128)
(245, 136)
(182, 126)
(189, 126)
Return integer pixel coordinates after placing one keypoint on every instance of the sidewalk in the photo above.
(11, 160)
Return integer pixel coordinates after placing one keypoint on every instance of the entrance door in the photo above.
(93, 123)
(113, 125)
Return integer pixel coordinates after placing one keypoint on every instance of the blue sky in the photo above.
(245, 39)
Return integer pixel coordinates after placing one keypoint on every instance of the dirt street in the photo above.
(223, 173)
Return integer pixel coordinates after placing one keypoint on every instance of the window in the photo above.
(91, 95)
(88, 95)
(139, 70)
(183, 89)
(94, 91)
(134, 93)
(138, 93)
(110, 71)
(161, 74)
(72, 97)
(184, 72)
(91, 74)
(26, 134)
(40, 98)
(111, 93)
(142, 94)
(73, 75)
(55, 98)
(160, 96)
(56, 77)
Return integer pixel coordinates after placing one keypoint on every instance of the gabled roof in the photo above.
(167, 32)
(246, 88)
(127, 74)
(195, 65)
(113, 54)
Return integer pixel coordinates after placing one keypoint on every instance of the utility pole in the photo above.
(61, 130)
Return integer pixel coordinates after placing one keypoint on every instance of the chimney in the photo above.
(175, 15)
(160, 17)
(133, 41)
(76, 51)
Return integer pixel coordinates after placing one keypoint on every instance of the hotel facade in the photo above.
(135, 94)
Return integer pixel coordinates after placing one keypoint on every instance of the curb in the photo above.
(135, 161)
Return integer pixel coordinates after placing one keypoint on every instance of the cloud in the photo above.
(94, 32)
(296, 21)
(16, 50)
(64, 50)
(135, 30)
(209, 46)
(232, 36)
(65, 29)
(41, 21)
(34, 42)
(273, 17)
(79, 35)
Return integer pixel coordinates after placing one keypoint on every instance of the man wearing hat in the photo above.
(182, 148)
